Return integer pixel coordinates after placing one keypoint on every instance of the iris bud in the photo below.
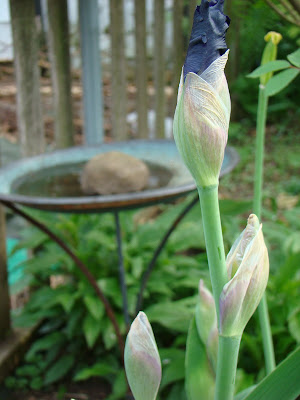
(203, 104)
(270, 53)
(206, 322)
(248, 270)
(142, 361)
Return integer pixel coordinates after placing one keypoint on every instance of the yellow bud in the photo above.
(270, 53)
(273, 37)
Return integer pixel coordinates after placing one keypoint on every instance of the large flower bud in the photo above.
(248, 271)
(203, 105)
(142, 361)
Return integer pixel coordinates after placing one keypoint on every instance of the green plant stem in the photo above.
(259, 149)
(228, 347)
(257, 205)
(228, 352)
(214, 240)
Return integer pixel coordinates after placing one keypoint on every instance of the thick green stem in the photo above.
(228, 352)
(257, 205)
(214, 240)
(228, 346)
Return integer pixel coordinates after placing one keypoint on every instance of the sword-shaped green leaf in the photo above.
(199, 378)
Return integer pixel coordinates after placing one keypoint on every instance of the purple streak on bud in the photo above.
(142, 361)
(207, 41)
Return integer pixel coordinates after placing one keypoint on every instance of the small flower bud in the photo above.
(270, 53)
(203, 105)
(142, 361)
(206, 322)
(248, 271)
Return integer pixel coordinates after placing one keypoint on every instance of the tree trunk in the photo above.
(25, 43)
(141, 68)
(59, 52)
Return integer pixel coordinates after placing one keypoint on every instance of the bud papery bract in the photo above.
(201, 122)
(248, 270)
(142, 361)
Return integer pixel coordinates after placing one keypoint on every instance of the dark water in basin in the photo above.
(64, 181)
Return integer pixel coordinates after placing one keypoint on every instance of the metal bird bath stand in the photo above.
(31, 172)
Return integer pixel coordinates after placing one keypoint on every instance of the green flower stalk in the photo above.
(142, 361)
(248, 271)
(269, 54)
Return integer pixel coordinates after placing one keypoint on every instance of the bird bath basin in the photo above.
(52, 181)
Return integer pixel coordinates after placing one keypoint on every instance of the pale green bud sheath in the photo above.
(206, 322)
(142, 361)
(248, 270)
(201, 122)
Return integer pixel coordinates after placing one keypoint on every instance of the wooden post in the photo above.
(25, 43)
(141, 68)
(159, 67)
(59, 54)
(178, 55)
(91, 72)
(118, 73)
(4, 292)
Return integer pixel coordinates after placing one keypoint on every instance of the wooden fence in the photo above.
(30, 117)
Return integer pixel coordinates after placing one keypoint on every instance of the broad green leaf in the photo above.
(172, 315)
(67, 300)
(59, 369)
(119, 388)
(244, 393)
(199, 380)
(109, 335)
(282, 383)
(173, 367)
(271, 66)
(91, 330)
(98, 369)
(280, 81)
(234, 207)
(94, 306)
(46, 343)
(28, 370)
(294, 58)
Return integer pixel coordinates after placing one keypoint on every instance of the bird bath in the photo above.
(51, 181)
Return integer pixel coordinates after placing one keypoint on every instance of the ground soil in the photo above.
(88, 390)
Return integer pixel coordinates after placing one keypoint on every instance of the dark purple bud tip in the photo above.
(207, 41)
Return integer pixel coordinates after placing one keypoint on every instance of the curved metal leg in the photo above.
(122, 270)
(158, 250)
(84, 269)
